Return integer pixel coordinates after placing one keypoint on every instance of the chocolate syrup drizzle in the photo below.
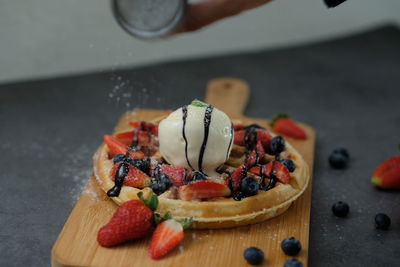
(207, 122)
(120, 175)
(184, 117)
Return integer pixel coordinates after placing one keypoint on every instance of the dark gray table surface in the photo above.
(347, 89)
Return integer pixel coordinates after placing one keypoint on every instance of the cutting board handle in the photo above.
(229, 95)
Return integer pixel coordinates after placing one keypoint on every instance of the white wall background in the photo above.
(45, 38)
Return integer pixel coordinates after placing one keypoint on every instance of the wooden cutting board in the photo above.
(77, 246)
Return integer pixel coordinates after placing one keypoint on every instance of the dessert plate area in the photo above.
(76, 245)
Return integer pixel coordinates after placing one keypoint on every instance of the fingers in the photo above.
(208, 11)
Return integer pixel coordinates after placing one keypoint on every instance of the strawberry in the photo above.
(143, 138)
(134, 178)
(145, 126)
(256, 155)
(117, 147)
(177, 174)
(387, 174)
(251, 159)
(265, 137)
(203, 189)
(239, 138)
(256, 170)
(279, 170)
(238, 127)
(284, 125)
(237, 176)
(262, 135)
(166, 237)
(132, 220)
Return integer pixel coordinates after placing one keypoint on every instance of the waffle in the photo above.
(221, 212)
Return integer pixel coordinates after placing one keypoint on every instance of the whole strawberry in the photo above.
(387, 174)
(132, 220)
(284, 125)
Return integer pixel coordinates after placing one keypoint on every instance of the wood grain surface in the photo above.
(77, 246)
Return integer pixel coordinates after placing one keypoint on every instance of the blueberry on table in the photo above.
(293, 263)
(277, 145)
(253, 255)
(291, 246)
(343, 151)
(289, 164)
(340, 209)
(382, 221)
(249, 187)
(338, 160)
(333, 3)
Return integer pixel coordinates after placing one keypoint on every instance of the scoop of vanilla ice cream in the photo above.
(187, 153)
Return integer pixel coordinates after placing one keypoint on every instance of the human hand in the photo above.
(209, 11)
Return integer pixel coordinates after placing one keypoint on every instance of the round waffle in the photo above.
(219, 212)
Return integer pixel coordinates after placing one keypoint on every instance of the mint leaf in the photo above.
(198, 103)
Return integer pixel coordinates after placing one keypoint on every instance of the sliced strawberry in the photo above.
(284, 125)
(265, 137)
(166, 237)
(136, 124)
(238, 127)
(260, 151)
(128, 137)
(279, 170)
(203, 189)
(256, 170)
(251, 159)
(239, 138)
(145, 126)
(237, 176)
(387, 174)
(135, 177)
(132, 220)
(117, 147)
(177, 174)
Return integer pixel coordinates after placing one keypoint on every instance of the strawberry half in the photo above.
(117, 147)
(262, 135)
(203, 189)
(135, 177)
(166, 237)
(282, 124)
(238, 127)
(145, 126)
(128, 137)
(177, 174)
(387, 174)
(132, 220)
(279, 170)
(237, 176)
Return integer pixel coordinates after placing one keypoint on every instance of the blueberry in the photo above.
(382, 221)
(293, 263)
(253, 255)
(338, 160)
(198, 176)
(119, 158)
(333, 3)
(342, 151)
(289, 164)
(291, 246)
(277, 145)
(340, 209)
(160, 184)
(249, 187)
(141, 164)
